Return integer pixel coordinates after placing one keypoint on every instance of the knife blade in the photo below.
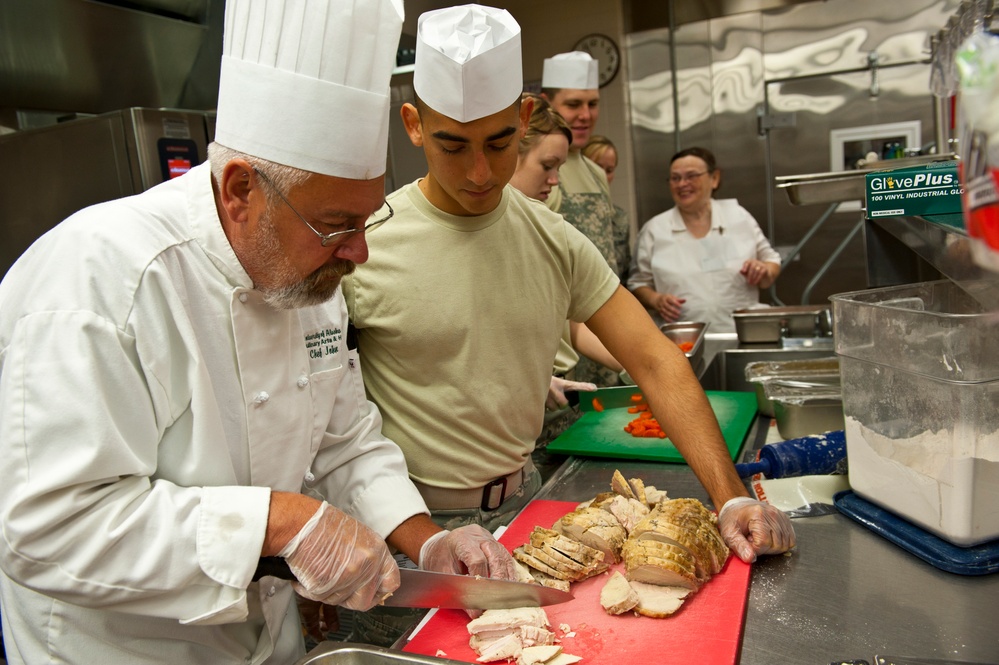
(424, 588)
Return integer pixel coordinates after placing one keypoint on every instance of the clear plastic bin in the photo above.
(919, 367)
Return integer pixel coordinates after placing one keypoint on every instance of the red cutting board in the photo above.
(707, 629)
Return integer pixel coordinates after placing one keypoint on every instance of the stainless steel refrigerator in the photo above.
(46, 174)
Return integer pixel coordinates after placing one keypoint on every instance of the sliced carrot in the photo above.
(597, 404)
(686, 346)
(636, 398)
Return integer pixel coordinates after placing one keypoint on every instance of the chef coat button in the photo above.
(271, 591)
(310, 477)
(261, 397)
(303, 381)
(243, 297)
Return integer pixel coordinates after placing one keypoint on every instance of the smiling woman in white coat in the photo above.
(704, 258)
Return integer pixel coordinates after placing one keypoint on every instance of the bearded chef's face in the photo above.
(283, 287)
(284, 256)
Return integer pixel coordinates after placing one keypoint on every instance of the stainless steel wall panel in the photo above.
(827, 37)
(808, 61)
(822, 104)
(48, 174)
(71, 55)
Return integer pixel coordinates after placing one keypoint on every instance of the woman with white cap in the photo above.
(461, 307)
(177, 397)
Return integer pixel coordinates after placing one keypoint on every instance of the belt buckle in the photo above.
(489, 492)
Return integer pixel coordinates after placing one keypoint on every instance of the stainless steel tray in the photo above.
(812, 372)
(767, 325)
(687, 331)
(347, 653)
(838, 186)
(805, 409)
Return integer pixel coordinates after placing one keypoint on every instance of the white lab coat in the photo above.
(149, 401)
(705, 270)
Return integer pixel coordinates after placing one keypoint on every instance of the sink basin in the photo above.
(727, 369)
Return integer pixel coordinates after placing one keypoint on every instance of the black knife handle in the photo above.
(273, 566)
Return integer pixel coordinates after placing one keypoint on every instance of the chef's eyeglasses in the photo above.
(677, 178)
(326, 238)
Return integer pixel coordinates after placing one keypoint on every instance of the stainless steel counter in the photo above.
(844, 593)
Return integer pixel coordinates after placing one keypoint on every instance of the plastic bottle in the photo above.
(809, 455)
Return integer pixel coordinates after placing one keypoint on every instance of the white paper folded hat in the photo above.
(306, 83)
(468, 61)
(576, 70)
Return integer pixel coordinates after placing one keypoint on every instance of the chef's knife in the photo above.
(423, 588)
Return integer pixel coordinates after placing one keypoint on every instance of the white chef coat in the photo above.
(149, 401)
(705, 270)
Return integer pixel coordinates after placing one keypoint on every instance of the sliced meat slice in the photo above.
(594, 528)
(638, 487)
(620, 486)
(493, 620)
(549, 581)
(538, 655)
(653, 495)
(661, 572)
(658, 601)
(617, 596)
(570, 547)
(521, 554)
(504, 648)
(629, 512)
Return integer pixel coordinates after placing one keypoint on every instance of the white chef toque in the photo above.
(468, 61)
(305, 83)
(576, 70)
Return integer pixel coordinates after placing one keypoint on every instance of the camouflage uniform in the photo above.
(583, 198)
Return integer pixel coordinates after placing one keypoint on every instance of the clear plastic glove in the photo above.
(556, 392)
(752, 527)
(339, 561)
(467, 550)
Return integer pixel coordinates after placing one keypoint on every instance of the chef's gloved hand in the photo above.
(752, 527)
(468, 550)
(556, 392)
(339, 561)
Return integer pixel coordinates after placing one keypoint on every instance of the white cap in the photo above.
(576, 70)
(468, 62)
(306, 83)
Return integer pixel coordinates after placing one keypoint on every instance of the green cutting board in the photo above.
(601, 433)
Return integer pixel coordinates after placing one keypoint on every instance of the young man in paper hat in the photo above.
(569, 82)
(460, 310)
(178, 397)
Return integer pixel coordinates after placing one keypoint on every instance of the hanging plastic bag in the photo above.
(977, 66)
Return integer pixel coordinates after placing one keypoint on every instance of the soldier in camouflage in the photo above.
(583, 196)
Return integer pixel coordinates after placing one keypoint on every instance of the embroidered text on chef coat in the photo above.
(324, 343)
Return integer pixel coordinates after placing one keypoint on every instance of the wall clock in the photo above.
(605, 51)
